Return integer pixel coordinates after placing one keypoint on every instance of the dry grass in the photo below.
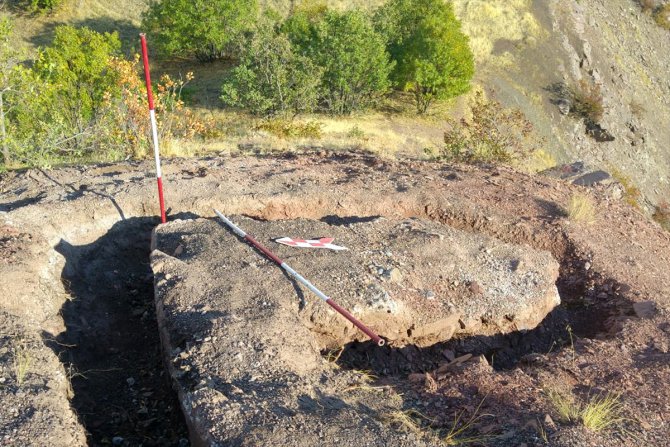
(567, 408)
(598, 413)
(461, 431)
(631, 193)
(22, 361)
(587, 99)
(581, 209)
(489, 21)
(602, 412)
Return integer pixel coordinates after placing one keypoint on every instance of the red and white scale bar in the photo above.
(363, 328)
(324, 242)
(154, 128)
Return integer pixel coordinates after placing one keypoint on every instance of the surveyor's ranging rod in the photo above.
(367, 331)
(154, 129)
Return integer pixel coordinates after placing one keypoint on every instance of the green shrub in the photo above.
(432, 55)
(204, 29)
(491, 134)
(272, 78)
(61, 103)
(662, 16)
(350, 52)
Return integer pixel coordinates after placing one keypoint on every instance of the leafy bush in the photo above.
(662, 16)
(61, 101)
(432, 55)
(491, 134)
(352, 54)
(80, 101)
(272, 78)
(204, 29)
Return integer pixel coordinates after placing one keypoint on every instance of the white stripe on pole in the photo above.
(154, 134)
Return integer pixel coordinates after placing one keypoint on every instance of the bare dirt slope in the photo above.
(608, 271)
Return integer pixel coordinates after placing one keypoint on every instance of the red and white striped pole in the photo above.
(154, 129)
(363, 328)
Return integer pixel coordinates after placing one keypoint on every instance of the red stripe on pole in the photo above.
(345, 313)
(147, 76)
(154, 130)
(264, 250)
(161, 201)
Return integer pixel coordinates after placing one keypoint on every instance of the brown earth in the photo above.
(82, 233)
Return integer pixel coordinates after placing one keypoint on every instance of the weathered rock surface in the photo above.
(245, 350)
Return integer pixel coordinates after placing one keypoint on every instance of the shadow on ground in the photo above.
(111, 347)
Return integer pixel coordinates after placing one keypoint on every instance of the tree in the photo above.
(204, 29)
(272, 78)
(432, 55)
(77, 79)
(351, 53)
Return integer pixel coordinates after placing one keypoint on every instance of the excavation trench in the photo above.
(111, 348)
(591, 307)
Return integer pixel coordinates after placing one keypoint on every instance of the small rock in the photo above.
(130, 381)
(549, 422)
(417, 377)
(430, 295)
(475, 288)
(395, 275)
(587, 266)
(449, 354)
(168, 276)
(117, 440)
(645, 309)
(179, 250)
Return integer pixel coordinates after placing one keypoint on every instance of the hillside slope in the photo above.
(523, 49)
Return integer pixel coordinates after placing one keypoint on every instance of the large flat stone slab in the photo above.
(244, 340)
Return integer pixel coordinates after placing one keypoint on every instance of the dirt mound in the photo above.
(232, 321)
(604, 336)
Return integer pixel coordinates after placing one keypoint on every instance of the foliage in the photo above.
(272, 78)
(491, 134)
(662, 215)
(9, 72)
(602, 411)
(631, 193)
(204, 29)
(432, 55)
(580, 209)
(283, 128)
(351, 53)
(596, 413)
(587, 101)
(61, 99)
(80, 101)
(662, 16)
(22, 362)
(39, 6)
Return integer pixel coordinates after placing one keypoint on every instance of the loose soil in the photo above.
(613, 281)
(111, 347)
